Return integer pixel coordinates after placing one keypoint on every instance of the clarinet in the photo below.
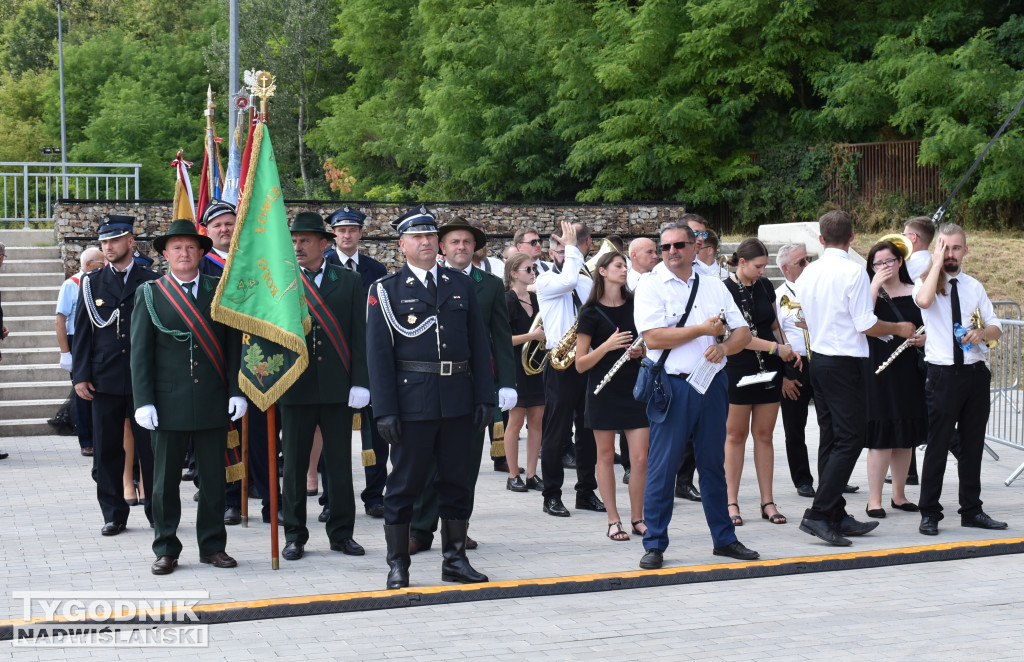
(899, 350)
(618, 364)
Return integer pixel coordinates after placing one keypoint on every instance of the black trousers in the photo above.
(565, 394)
(376, 476)
(108, 414)
(794, 422)
(840, 401)
(958, 402)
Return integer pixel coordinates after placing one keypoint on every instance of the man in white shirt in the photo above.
(643, 253)
(691, 418)
(919, 232)
(527, 240)
(560, 294)
(707, 257)
(957, 385)
(835, 294)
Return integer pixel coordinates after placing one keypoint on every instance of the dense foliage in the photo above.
(704, 101)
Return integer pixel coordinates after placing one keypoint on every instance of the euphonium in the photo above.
(534, 352)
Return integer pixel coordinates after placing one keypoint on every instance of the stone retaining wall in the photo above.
(75, 222)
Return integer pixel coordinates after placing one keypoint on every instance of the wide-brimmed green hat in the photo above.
(459, 223)
(310, 221)
(182, 227)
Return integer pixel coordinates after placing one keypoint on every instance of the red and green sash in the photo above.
(326, 320)
(196, 323)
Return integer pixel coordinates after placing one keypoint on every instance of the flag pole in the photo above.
(272, 462)
(245, 470)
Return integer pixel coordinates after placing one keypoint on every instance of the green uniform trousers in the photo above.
(425, 510)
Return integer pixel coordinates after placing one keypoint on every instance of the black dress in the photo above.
(897, 413)
(614, 407)
(756, 304)
(529, 388)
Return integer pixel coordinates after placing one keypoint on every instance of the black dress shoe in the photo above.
(625, 476)
(980, 520)
(232, 515)
(219, 560)
(375, 510)
(554, 506)
(929, 526)
(850, 489)
(568, 461)
(652, 560)
(87, 452)
(3, 456)
(736, 550)
(292, 551)
(164, 565)
(348, 546)
(877, 513)
(471, 544)
(687, 491)
(805, 491)
(516, 484)
(589, 502)
(188, 476)
(501, 465)
(851, 527)
(113, 528)
(325, 514)
(535, 483)
(415, 546)
(822, 529)
(907, 507)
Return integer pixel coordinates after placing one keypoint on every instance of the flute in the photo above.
(618, 364)
(899, 350)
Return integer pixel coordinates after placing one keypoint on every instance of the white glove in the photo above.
(146, 417)
(65, 361)
(358, 397)
(237, 407)
(507, 398)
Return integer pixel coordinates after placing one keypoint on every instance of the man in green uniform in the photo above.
(185, 385)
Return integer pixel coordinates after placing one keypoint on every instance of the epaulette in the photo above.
(385, 277)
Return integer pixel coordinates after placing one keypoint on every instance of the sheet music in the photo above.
(702, 376)
(759, 378)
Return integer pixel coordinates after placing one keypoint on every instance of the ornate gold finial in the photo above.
(262, 85)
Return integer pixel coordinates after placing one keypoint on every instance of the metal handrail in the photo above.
(35, 190)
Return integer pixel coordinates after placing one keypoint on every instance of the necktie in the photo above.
(187, 288)
(351, 264)
(954, 299)
(311, 275)
(431, 285)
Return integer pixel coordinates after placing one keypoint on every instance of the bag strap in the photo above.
(682, 320)
(892, 304)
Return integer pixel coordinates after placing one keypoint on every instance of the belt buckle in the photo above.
(446, 368)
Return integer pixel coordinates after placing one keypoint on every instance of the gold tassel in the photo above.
(499, 431)
(497, 449)
(369, 458)
(357, 424)
(233, 440)
(234, 472)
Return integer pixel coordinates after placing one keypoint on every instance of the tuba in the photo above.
(563, 355)
(901, 243)
(534, 353)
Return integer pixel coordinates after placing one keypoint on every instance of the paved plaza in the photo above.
(960, 609)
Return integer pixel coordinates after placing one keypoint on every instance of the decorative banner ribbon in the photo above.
(326, 320)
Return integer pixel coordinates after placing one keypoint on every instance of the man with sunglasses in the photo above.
(527, 240)
(692, 419)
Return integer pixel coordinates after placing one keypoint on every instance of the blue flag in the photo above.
(234, 171)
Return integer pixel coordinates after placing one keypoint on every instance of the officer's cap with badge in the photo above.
(112, 227)
(346, 216)
(214, 209)
(459, 223)
(182, 227)
(310, 221)
(416, 221)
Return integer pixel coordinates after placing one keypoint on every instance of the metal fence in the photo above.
(886, 168)
(30, 190)
(1005, 424)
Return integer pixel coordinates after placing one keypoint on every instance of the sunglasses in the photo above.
(803, 262)
(678, 245)
(532, 242)
(702, 234)
(884, 263)
(528, 270)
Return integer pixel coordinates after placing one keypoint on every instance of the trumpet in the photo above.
(639, 342)
(788, 306)
(977, 322)
(534, 354)
(899, 350)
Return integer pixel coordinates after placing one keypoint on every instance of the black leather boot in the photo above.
(397, 538)
(455, 567)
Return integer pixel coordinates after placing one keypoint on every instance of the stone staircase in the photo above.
(32, 385)
(772, 270)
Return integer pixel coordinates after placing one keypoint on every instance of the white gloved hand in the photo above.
(65, 361)
(237, 407)
(146, 417)
(507, 398)
(358, 397)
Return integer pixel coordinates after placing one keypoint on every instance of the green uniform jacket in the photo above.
(176, 376)
(490, 293)
(325, 381)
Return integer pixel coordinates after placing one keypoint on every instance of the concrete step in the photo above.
(31, 323)
(44, 372)
(41, 293)
(28, 308)
(42, 266)
(25, 427)
(19, 237)
(9, 280)
(25, 339)
(32, 252)
(21, 391)
(32, 356)
(44, 409)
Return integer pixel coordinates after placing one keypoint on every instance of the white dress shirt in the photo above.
(660, 302)
(220, 253)
(633, 277)
(193, 285)
(938, 319)
(319, 278)
(918, 264)
(710, 270)
(421, 274)
(554, 295)
(345, 258)
(794, 334)
(835, 294)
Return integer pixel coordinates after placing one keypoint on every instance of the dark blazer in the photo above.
(178, 377)
(367, 267)
(103, 356)
(210, 268)
(325, 381)
(490, 292)
(459, 335)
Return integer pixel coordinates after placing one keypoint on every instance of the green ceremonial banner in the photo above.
(261, 293)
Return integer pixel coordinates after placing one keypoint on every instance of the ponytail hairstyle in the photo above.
(749, 249)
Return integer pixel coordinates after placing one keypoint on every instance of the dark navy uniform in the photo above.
(101, 354)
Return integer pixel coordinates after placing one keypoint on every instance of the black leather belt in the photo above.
(443, 368)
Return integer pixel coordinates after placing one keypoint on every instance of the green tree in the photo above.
(30, 38)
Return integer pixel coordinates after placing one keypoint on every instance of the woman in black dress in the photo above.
(520, 273)
(753, 409)
(897, 413)
(604, 332)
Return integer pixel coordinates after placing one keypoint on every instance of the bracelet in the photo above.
(775, 349)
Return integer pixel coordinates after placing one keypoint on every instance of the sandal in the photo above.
(638, 531)
(620, 534)
(777, 518)
(736, 519)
